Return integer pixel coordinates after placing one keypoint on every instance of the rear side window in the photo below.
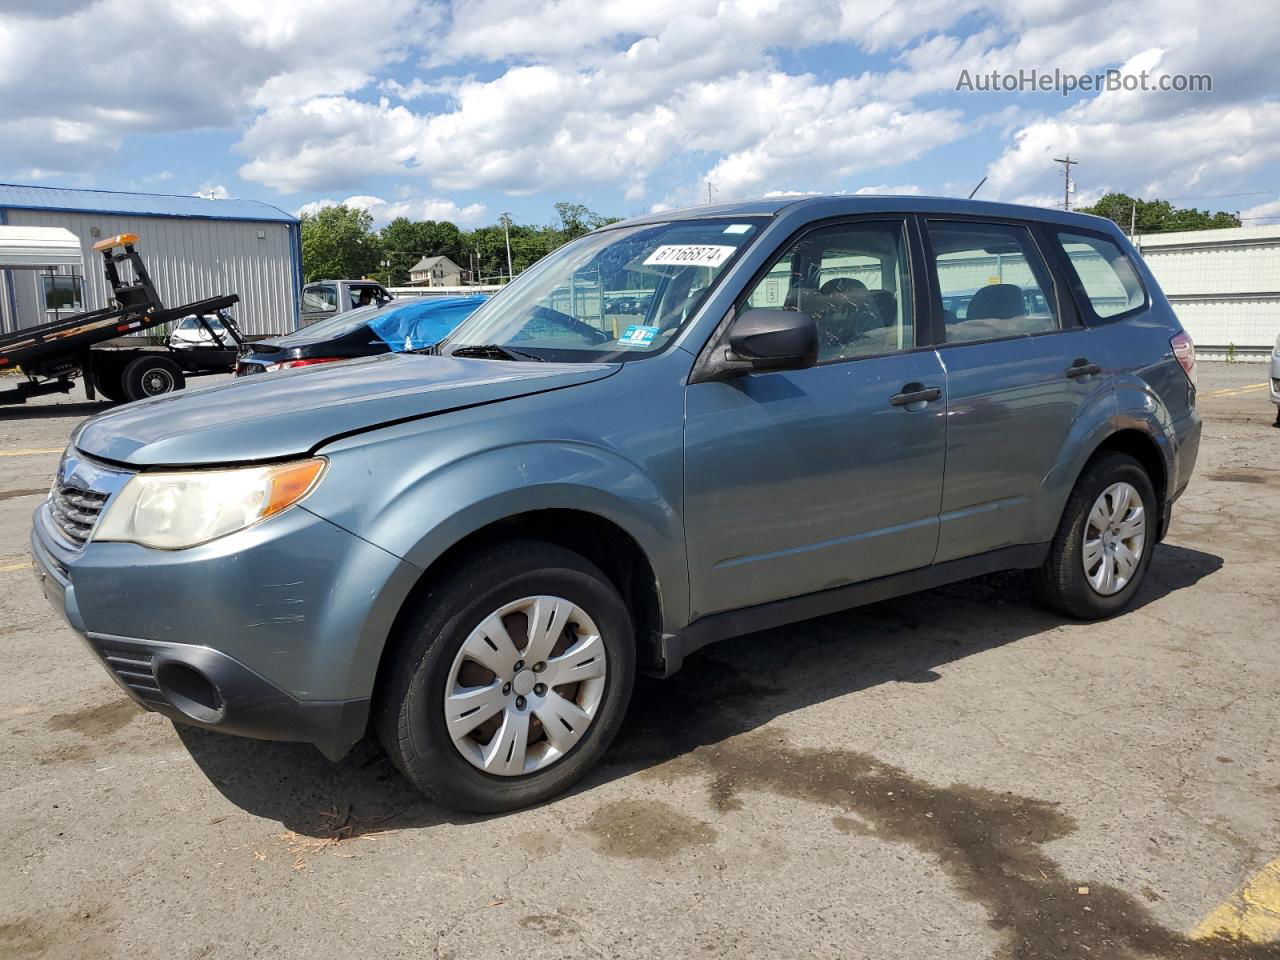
(992, 281)
(319, 298)
(1106, 274)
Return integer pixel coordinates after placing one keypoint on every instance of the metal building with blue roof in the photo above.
(194, 248)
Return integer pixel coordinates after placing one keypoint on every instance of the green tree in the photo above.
(1157, 216)
(339, 242)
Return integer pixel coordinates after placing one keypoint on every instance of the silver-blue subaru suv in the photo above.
(808, 404)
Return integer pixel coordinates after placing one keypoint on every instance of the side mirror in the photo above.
(774, 339)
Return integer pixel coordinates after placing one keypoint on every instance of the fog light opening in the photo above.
(190, 691)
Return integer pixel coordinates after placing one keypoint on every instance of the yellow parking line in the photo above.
(1252, 913)
(1232, 391)
(28, 453)
(9, 567)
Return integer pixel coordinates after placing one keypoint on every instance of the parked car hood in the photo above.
(294, 412)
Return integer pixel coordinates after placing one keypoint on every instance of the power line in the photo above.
(1220, 196)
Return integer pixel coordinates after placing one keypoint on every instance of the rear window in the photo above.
(319, 298)
(1107, 276)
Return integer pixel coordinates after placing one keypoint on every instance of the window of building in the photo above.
(62, 293)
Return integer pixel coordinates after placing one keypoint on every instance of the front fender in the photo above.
(423, 512)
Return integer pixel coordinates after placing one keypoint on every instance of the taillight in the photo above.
(1185, 350)
(308, 362)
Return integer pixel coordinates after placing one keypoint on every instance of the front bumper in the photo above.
(274, 632)
(1274, 379)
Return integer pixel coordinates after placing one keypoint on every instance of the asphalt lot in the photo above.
(954, 775)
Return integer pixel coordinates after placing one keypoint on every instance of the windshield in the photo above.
(192, 323)
(618, 294)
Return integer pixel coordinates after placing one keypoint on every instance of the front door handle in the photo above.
(915, 393)
(1083, 368)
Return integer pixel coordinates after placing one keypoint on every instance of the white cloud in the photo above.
(1262, 213)
(143, 66)
(213, 191)
(383, 211)
(899, 190)
(648, 100)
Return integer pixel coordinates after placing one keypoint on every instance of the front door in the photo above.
(799, 481)
(1019, 368)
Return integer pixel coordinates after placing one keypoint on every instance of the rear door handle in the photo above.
(1083, 368)
(915, 393)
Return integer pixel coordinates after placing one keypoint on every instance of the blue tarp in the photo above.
(422, 323)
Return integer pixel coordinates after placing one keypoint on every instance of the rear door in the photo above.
(1020, 366)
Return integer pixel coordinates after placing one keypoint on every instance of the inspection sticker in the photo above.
(637, 335)
(689, 255)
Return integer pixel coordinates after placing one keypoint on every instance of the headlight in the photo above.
(1275, 352)
(181, 509)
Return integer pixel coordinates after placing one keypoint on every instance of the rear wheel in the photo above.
(1102, 549)
(151, 376)
(512, 680)
(108, 380)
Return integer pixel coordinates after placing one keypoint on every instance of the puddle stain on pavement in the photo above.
(98, 721)
(990, 844)
(645, 829)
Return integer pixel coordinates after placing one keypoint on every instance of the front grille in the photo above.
(131, 663)
(75, 510)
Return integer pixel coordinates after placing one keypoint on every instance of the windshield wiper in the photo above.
(493, 351)
(430, 350)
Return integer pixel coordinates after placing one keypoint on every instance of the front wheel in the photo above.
(1100, 554)
(512, 680)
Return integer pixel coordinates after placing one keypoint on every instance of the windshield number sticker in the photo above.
(689, 255)
(637, 335)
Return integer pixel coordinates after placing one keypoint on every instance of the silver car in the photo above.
(1275, 378)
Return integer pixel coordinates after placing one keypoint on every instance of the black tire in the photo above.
(151, 376)
(409, 709)
(1061, 583)
(109, 381)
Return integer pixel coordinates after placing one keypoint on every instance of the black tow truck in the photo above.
(52, 355)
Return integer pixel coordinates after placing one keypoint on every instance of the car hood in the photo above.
(269, 417)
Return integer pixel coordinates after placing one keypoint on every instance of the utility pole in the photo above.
(711, 192)
(506, 228)
(1067, 163)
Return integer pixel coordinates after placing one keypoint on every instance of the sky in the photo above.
(465, 110)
